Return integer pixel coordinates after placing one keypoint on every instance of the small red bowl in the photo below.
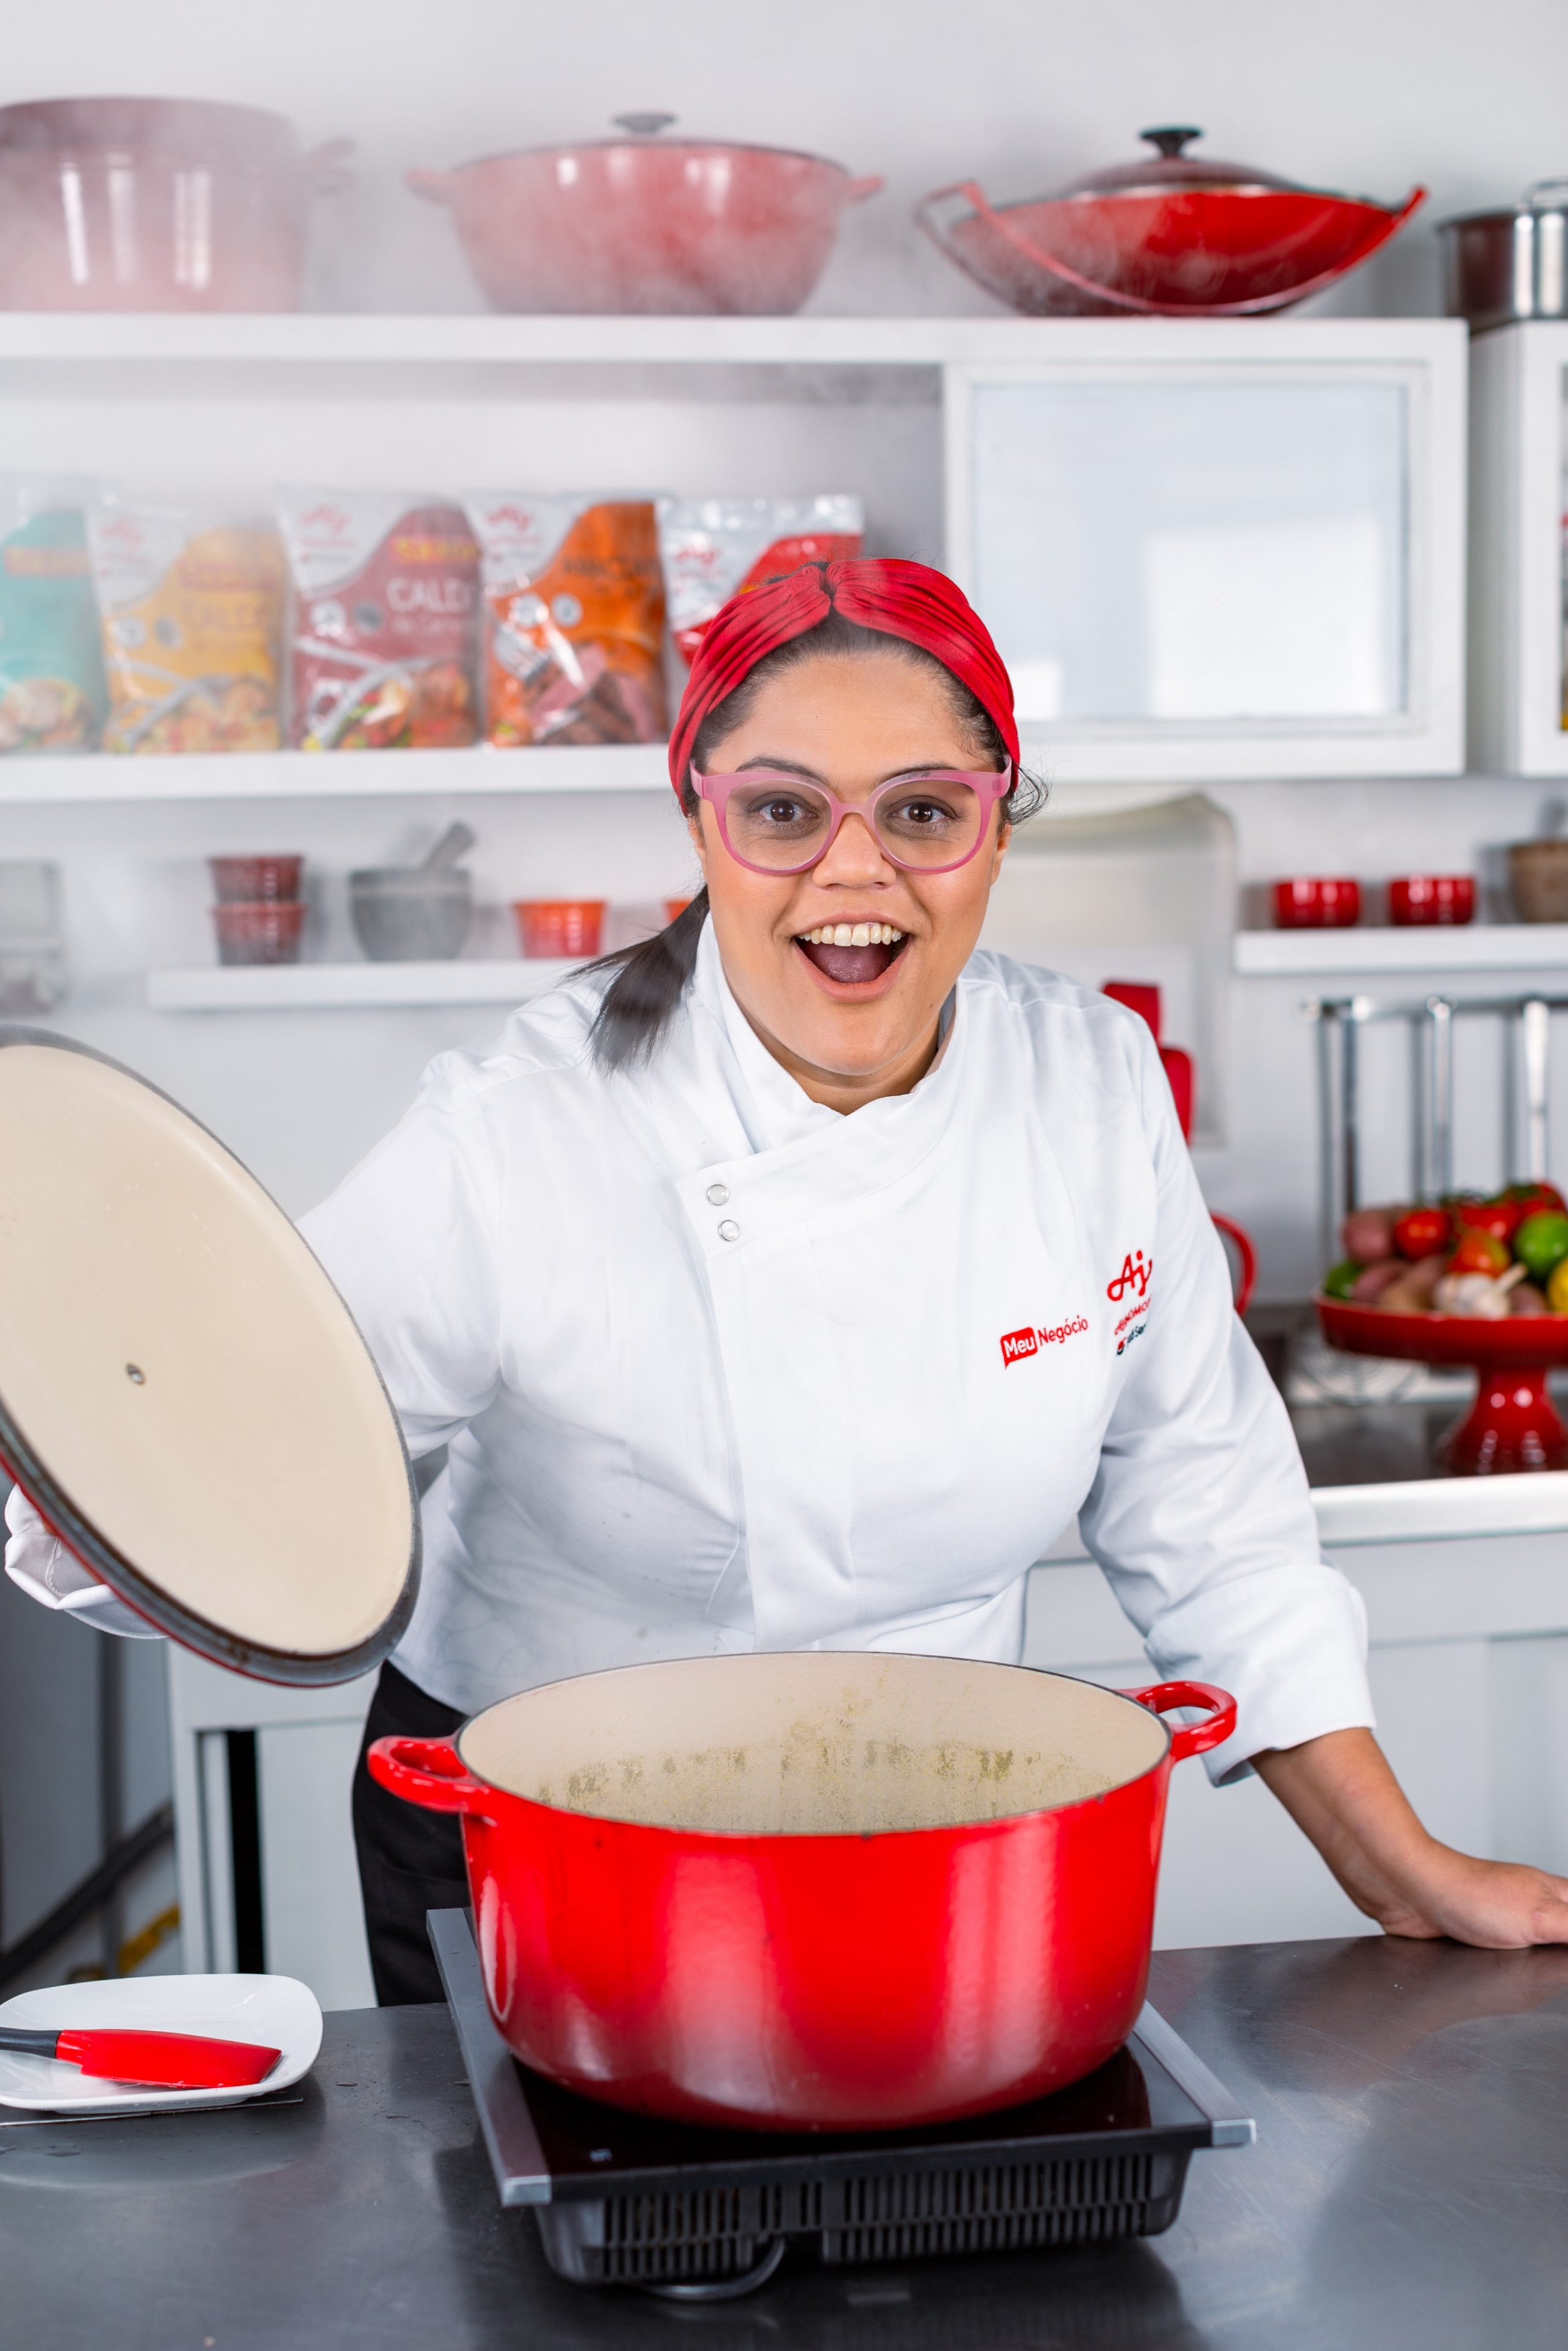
(1417, 898)
(267, 932)
(564, 928)
(1308, 902)
(255, 881)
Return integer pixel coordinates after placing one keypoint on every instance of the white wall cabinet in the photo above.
(1233, 549)
(1518, 382)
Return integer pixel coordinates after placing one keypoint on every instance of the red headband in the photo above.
(900, 599)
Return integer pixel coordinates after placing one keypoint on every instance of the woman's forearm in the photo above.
(1340, 1792)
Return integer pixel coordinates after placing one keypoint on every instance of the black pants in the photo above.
(410, 1861)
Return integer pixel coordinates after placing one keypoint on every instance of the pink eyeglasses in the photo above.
(774, 822)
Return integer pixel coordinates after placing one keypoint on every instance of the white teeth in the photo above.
(854, 934)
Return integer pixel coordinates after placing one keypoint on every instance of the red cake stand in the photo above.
(1513, 1423)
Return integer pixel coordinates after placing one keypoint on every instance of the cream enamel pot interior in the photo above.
(183, 1396)
(817, 1891)
(644, 223)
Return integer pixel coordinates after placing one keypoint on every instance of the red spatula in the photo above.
(169, 2061)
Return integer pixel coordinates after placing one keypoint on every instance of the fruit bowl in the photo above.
(1513, 1424)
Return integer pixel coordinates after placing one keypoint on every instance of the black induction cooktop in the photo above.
(627, 2199)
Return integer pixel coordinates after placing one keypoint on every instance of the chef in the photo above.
(793, 1280)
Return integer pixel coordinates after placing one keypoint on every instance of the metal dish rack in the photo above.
(1340, 1022)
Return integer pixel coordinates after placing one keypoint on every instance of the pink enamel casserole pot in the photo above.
(644, 224)
(813, 1891)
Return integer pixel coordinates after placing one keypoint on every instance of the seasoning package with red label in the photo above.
(574, 618)
(386, 593)
(712, 547)
(192, 607)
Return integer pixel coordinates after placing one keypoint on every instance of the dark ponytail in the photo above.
(651, 978)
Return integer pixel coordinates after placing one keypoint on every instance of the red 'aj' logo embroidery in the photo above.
(1133, 1276)
(1017, 1344)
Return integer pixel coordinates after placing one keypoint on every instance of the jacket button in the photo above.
(729, 1230)
(719, 1194)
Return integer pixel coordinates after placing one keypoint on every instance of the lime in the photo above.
(1542, 1242)
(1340, 1280)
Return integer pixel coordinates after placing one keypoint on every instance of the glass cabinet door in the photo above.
(1217, 571)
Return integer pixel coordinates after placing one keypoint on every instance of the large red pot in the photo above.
(154, 204)
(641, 224)
(817, 1890)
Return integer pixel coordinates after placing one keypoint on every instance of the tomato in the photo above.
(1479, 1253)
(1420, 1232)
(1530, 1197)
(1501, 1217)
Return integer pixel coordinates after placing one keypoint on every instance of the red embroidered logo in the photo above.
(1133, 1277)
(1018, 1345)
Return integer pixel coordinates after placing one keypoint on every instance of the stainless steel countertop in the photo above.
(1408, 2188)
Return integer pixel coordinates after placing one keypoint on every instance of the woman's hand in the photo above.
(1339, 1790)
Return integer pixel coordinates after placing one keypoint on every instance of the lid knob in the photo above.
(1171, 139)
(644, 126)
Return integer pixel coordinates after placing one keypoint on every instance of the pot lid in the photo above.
(1543, 196)
(1170, 169)
(646, 130)
(182, 1393)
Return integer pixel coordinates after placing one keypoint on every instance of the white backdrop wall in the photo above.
(1373, 97)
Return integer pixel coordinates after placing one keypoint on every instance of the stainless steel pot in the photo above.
(1500, 268)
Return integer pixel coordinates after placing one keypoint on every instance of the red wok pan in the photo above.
(817, 1890)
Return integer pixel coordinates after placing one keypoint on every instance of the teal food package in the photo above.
(52, 692)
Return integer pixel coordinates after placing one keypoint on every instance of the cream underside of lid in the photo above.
(254, 1474)
(814, 1743)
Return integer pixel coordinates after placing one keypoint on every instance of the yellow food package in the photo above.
(192, 628)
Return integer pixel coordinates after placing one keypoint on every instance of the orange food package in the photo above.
(191, 613)
(574, 618)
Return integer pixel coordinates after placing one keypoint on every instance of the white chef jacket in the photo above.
(719, 1368)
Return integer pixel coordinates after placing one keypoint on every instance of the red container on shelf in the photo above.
(564, 928)
(675, 908)
(255, 881)
(1310, 902)
(266, 933)
(1419, 898)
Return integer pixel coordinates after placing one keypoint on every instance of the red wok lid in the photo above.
(184, 1394)
(1171, 169)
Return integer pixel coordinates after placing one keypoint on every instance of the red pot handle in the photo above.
(1248, 1268)
(435, 187)
(859, 190)
(428, 1771)
(1186, 1738)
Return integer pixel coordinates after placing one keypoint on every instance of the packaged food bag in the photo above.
(386, 590)
(712, 547)
(52, 693)
(574, 618)
(191, 615)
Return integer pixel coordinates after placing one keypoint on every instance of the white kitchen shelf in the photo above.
(295, 337)
(1435, 948)
(336, 987)
(43, 780)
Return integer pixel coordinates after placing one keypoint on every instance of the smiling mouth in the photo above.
(852, 953)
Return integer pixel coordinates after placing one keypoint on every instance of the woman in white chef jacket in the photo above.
(796, 1278)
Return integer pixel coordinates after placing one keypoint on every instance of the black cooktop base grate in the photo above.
(625, 2201)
